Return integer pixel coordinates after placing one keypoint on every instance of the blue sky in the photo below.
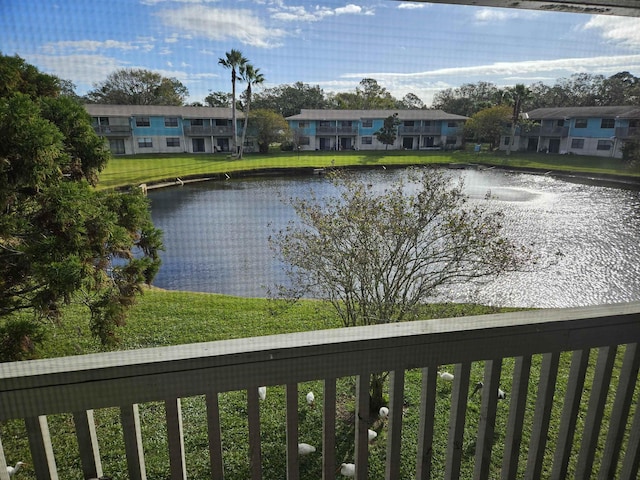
(406, 46)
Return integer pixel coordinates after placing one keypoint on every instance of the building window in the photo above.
(142, 122)
(367, 140)
(560, 123)
(577, 143)
(145, 142)
(451, 140)
(171, 121)
(581, 123)
(103, 121)
(507, 140)
(222, 122)
(452, 124)
(173, 141)
(604, 145)
(608, 123)
(304, 140)
(303, 124)
(367, 123)
(408, 123)
(324, 123)
(197, 122)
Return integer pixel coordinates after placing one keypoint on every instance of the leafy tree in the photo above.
(233, 60)
(516, 96)
(252, 76)
(268, 127)
(489, 124)
(622, 88)
(631, 152)
(61, 240)
(377, 257)
(138, 87)
(468, 99)
(218, 99)
(411, 102)
(389, 131)
(368, 95)
(288, 100)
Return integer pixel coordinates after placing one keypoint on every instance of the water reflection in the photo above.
(216, 237)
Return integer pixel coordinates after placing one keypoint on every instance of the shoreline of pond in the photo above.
(628, 182)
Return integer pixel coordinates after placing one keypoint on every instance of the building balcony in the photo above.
(333, 130)
(113, 130)
(596, 343)
(627, 132)
(211, 130)
(419, 130)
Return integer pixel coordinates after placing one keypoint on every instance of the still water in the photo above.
(216, 237)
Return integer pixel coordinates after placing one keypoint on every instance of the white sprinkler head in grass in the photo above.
(383, 413)
(311, 399)
(348, 469)
(262, 392)
(305, 449)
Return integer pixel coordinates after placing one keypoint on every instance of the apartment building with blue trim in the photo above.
(136, 129)
(355, 129)
(599, 131)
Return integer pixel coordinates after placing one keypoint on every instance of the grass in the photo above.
(137, 169)
(171, 318)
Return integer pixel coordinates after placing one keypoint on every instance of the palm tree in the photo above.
(517, 96)
(252, 76)
(233, 60)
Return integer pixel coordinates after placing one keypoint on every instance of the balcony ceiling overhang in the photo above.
(630, 8)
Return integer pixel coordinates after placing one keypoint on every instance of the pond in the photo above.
(216, 236)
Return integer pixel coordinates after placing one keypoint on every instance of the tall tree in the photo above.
(61, 240)
(269, 127)
(516, 97)
(233, 60)
(489, 124)
(368, 95)
(378, 257)
(389, 130)
(253, 77)
(467, 99)
(288, 100)
(411, 102)
(218, 99)
(138, 87)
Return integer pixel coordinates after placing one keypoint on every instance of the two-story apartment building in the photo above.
(597, 131)
(356, 129)
(132, 129)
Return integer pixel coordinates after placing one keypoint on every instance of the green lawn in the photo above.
(136, 169)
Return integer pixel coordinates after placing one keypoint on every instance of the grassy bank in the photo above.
(133, 170)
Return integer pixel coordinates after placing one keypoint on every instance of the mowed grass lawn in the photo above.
(137, 169)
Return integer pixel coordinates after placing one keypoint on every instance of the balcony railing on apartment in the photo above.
(602, 440)
(419, 130)
(117, 130)
(216, 130)
(333, 130)
(626, 132)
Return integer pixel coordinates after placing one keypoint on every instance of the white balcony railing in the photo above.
(34, 390)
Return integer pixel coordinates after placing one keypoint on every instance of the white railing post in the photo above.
(362, 426)
(517, 408)
(214, 436)
(130, 420)
(44, 462)
(292, 431)
(88, 444)
(394, 440)
(175, 439)
(489, 394)
(459, 394)
(427, 414)
(329, 429)
(255, 449)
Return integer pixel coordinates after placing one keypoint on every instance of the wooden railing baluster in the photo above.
(427, 414)
(542, 415)
(255, 449)
(4, 475)
(394, 439)
(632, 455)
(293, 472)
(329, 429)
(214, 436)
(175, 439)
(593, 420)
(572, 400)
(620, 412)
(362, 426)
(44, 463)
(88, 444)
(484, 443)
(130, 419)
(517, 408)
(459, 394)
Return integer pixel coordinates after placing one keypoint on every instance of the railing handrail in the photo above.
(42, 387)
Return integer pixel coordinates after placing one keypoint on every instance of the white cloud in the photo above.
(622, 30)
(82, 69)
(87, 46)
(412, 5)
(221, 24)
(300, 13)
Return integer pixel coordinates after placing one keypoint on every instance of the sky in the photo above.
(414, 47)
